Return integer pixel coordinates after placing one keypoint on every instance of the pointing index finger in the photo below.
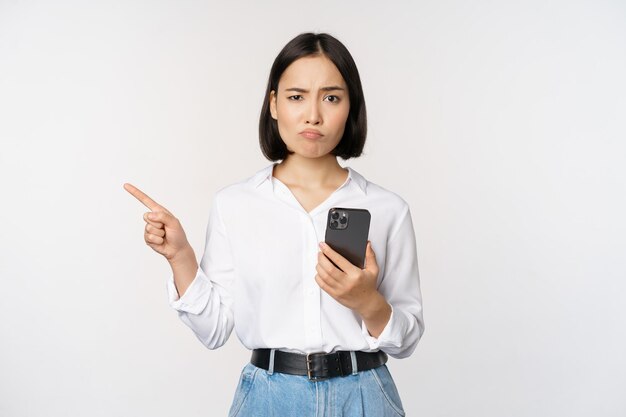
(143, 197)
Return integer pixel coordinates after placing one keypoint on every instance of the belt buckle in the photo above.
(308, 366)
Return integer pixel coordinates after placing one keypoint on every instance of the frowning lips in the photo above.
(311, 133)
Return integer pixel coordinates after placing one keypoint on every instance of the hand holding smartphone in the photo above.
(347, 230)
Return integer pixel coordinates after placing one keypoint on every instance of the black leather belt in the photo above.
(317, 365)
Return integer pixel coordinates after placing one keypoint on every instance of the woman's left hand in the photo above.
(352, 286)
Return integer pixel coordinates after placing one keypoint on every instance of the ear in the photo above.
(273, 105)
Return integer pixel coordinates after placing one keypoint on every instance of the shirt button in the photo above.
(310, 291)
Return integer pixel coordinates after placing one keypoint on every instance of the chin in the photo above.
(313, 153)
(312, 150)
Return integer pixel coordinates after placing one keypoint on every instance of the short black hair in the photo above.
(311, 44)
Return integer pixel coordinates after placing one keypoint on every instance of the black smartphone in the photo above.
(347, 230)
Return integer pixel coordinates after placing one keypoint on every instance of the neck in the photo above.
(310, 172)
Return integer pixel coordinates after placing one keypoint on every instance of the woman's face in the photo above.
(312, 97)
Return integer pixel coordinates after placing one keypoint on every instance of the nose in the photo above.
(313, 113)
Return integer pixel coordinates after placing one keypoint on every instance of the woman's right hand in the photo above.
(163, 232)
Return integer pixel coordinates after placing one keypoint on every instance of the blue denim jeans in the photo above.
(262, 393)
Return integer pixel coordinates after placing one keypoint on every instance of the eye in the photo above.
(296, 97)
(332, 99)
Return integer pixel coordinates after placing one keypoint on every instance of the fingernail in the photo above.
(322, 245)
(151, 216)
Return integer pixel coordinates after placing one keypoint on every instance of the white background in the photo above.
(501, 123)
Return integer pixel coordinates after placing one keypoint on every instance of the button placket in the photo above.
(311, 290)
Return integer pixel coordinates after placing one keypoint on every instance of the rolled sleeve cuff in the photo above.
(392, 334)
(195, 299)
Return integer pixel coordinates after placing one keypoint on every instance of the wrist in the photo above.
(183, 256)
(374, 306)
(376, 314)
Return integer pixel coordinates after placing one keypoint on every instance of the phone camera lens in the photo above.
(343, 220)
(334, 224)
(335, 215)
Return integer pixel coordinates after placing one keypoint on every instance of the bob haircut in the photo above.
(311, 44)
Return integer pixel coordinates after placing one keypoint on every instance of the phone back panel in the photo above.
(351, 241)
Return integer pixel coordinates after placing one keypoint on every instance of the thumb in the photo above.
(370, 257)
(164, 217)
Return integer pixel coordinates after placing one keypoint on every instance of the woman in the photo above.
(320, 328)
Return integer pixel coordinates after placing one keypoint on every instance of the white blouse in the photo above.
(257, 271)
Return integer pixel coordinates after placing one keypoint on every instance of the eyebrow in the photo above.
(302, 90)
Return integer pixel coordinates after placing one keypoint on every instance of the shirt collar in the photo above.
(265, 174)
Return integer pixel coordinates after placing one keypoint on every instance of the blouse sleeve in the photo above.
(400, 286)
(206, 306)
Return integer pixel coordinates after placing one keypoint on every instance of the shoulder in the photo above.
(379, 196)
(244, 188)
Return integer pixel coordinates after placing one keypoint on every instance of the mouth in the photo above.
(311, 134)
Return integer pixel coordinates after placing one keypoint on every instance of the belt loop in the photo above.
(270, 369)
(354, 365)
